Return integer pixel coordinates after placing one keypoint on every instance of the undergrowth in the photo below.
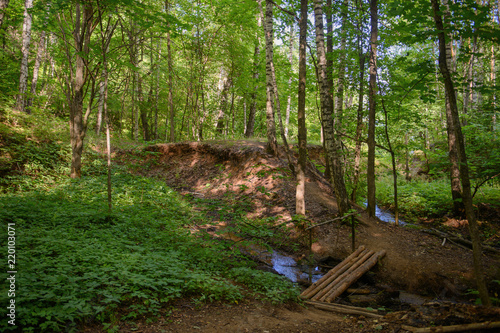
(430, 198)
(78, 264)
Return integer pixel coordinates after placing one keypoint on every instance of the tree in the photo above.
(372, 109)
(272, 144)
(25, 50)
(300, 206)
(464, 168)
(456, 188)
(249, 131)
(77, 75)
(330, 138)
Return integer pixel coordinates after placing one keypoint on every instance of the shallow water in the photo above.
(386, 215)
(289, 267)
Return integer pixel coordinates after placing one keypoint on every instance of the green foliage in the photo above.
(76, 262)
(430, 198)
(271, 287)
(416, 199)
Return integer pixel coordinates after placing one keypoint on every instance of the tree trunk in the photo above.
(464, 168)
(272, 143)
(373, 104)
(332, 155)
(3, 5)
(100, 106)
(300, 205)
(339, 103)
(249, 131)
(36, 69)
(359, 118)
(453, 156)
(289, 102)
(78, 121)
(143, 110)
(25, 51)
(226, 85)
(170, 82)
(359, 127)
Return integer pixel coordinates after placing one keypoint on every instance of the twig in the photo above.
(330, 221)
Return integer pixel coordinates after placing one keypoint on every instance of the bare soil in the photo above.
(417, 264)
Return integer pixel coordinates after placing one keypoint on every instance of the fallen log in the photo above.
(454, 328)
(314, 288)
(353, 277)
(345, 309)
(341, 277)
(464, 243)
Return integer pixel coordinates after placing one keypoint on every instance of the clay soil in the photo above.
(418, 265)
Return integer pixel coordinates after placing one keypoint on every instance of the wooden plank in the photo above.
(344, 309)
(320, 295)
(353, 277)
(314, 288)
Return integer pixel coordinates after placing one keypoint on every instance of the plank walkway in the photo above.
(342, 276)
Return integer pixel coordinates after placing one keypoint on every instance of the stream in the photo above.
(385, 215)
(287, 266)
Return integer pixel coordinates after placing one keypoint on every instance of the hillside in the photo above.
(244, 176)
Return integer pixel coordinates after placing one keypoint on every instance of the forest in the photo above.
(148, 148)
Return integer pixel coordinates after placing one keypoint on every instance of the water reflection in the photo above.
(288, 267)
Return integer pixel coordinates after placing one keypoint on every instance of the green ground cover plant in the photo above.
(76, 263)
(431, 198)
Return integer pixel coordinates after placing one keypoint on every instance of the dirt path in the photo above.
(415, 262)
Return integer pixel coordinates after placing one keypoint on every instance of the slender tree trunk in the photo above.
(278, 113)
(272, 144)
(394, 170)
(373, 104)
(170, 82)
(326, 110)
(25, 50)
(157, 90)
(453, 155)
(226, 85)
(3, 5)
(329, 69)
(289, 102)
(464, 168)
(36, 69)
(359, 126)
(339, 106)
(359, 118)
(249, 131)
(102, 91)
(300, 205)
(78, 121)
(407, 157)
(143, 110)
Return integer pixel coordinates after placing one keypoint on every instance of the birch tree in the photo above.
(25, 51)
(330, 139)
